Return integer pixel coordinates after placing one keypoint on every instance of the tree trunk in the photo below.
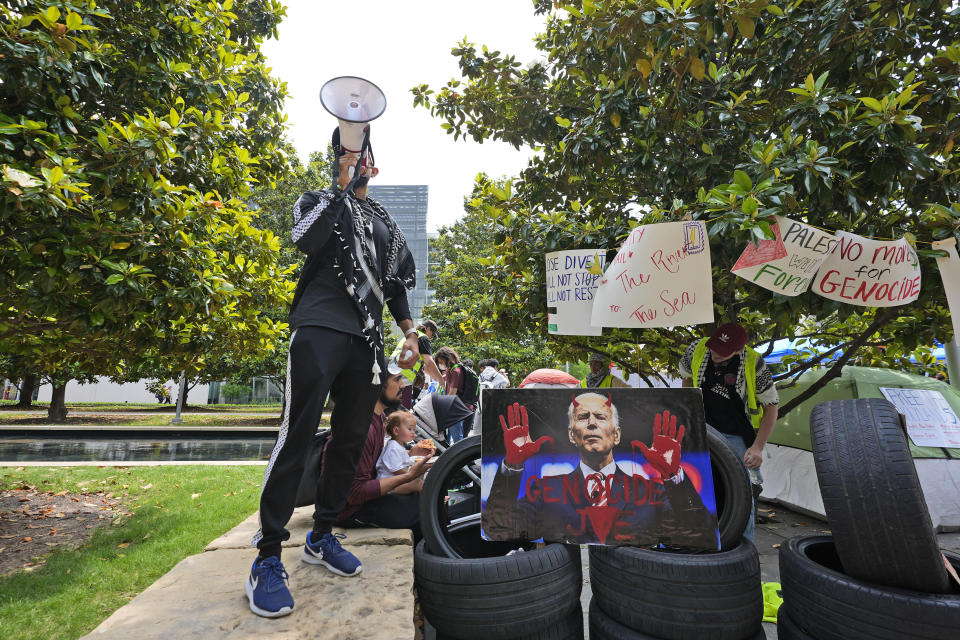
(27, 385)
(58, 409)
(186, 390)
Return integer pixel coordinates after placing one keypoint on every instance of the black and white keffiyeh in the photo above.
(356, 261)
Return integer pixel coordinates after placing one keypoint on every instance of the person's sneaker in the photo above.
(328, 552)
(267, 588)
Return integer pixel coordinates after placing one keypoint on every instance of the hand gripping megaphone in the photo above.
(354, 102)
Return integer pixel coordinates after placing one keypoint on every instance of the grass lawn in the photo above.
(176, 511)
(161, 420)
(10, 405)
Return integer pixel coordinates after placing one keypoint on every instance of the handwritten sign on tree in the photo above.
(950, 273)
(659, 278)
(572, 278)
(869, 273)
(788, 263)
(931, 421)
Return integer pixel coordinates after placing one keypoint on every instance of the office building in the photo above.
(408, 206)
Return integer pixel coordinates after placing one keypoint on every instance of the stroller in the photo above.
(436, 413)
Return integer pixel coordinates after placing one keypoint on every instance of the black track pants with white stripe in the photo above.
(320, 360)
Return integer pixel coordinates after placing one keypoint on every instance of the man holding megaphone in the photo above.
(357, 261)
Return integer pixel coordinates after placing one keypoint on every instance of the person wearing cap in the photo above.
(739, 397)
(371, 501)
(600, 375)
(357, 262)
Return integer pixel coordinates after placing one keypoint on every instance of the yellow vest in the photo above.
(606, 382)
(409, 374)
(750, 372)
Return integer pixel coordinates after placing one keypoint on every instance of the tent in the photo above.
(786, 346)
(788, 470)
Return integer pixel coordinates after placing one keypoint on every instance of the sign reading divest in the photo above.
(950, 273)
(571, 281)
(660, 278)
(788, 263)
(869, 273)
(931, 421)
(625, 467)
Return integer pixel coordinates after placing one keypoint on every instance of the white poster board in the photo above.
(869, 273)
(931, 421)
(788, 263)
(660, 278)
(950, 273)
(571, 280)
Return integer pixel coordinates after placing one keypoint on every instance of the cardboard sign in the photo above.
(587, 468)
(950, 273)
(572, 278)
(869, 273)
(931, 421)
(788, 263)
(660, 278)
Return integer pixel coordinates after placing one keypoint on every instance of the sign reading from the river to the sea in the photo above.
(660, 278)
(869, 273)
(572, 277)
(788, 263)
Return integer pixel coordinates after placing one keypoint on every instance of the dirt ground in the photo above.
(34, 523)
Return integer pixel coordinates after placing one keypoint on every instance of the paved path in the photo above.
(202, 597)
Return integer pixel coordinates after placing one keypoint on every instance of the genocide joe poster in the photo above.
(605, 466)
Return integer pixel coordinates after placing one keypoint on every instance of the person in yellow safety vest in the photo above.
(600, 375)
(739, 397)
(426, 332)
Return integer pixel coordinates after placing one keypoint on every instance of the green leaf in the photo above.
(73, 20)
(750, 205)
(115, 278)
(742, 180)
(563, 122)
(706, 149)
(52, 14)
(20, 178)
(872, 103)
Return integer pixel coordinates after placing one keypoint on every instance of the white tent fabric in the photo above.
(790, 478)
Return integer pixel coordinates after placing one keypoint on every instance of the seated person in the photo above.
(372, 501)
(395, 460)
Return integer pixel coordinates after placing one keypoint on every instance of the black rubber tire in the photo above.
(732, 487)
(872, 496)
(679, 596)
(498, 598)
(603, 627)
(834, 606)
(570, 628)
(787, 629)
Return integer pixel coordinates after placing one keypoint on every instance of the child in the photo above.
(394, 461)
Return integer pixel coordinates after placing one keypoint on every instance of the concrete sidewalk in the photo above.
(202, 597)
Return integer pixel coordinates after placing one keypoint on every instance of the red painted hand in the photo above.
(516, 436)
(664, 455)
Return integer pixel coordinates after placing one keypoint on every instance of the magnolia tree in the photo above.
(130, 140)
(839, 114)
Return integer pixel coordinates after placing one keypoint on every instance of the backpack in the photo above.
(471, 385)
(307, 491)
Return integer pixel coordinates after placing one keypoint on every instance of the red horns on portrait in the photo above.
(609, 400)
(573, 398)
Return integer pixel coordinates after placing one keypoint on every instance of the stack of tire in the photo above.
(475, 592)
(881, 574)
(651, 594)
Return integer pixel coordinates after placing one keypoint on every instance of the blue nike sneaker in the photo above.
(267, 588)
(328, 552)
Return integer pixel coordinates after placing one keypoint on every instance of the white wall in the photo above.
(106, 391)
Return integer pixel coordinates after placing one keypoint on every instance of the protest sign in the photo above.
(950, 273)
(788, 263)
(592, 468)
(572, 278)
(869, 273)
(931, 421)
(659, 278)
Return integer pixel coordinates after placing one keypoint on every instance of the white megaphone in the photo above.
(354, 102)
